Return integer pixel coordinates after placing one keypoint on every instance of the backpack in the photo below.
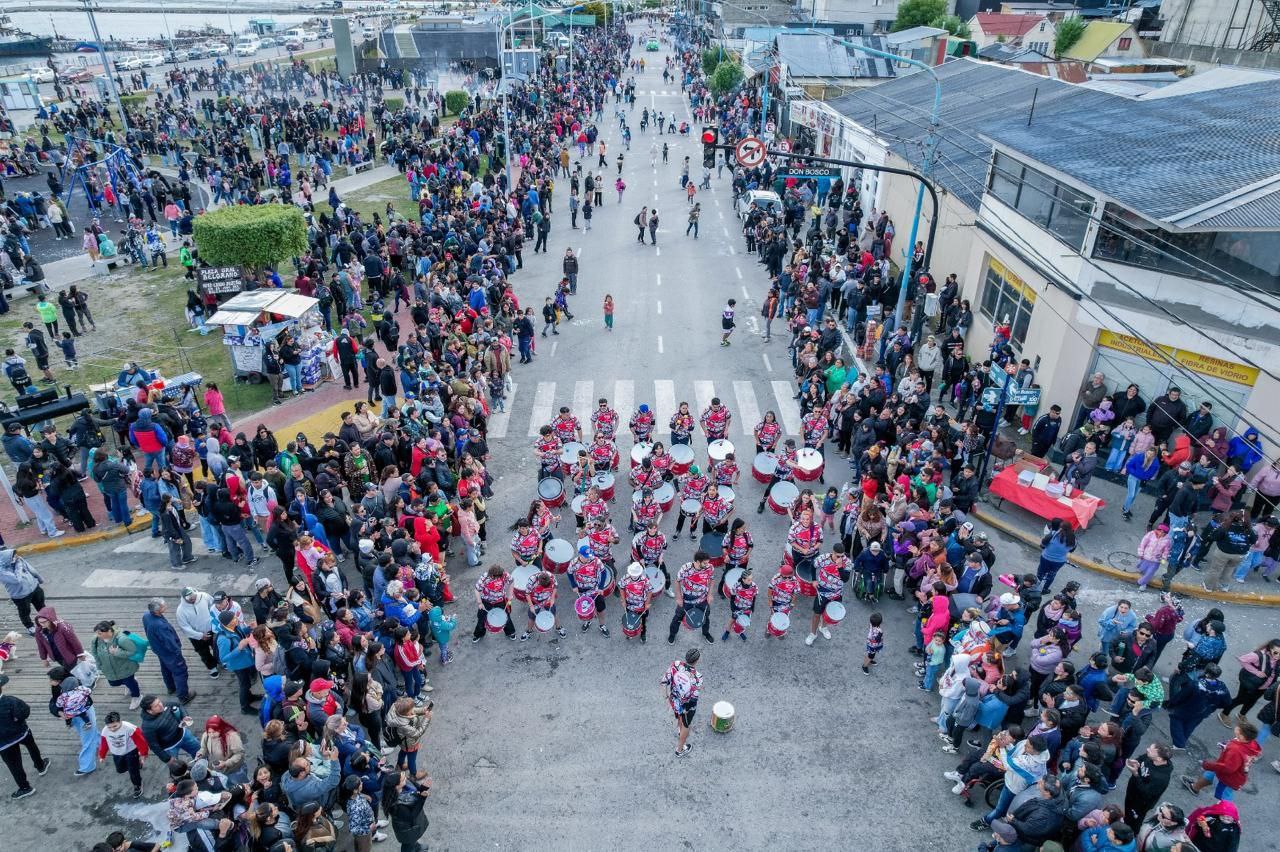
(140, 646)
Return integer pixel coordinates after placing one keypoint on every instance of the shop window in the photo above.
(1005, 295)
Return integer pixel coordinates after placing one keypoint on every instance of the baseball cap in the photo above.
(1186, 465)
(187, 591)
(968, 525)
(875, 547)
(788, 569)
(1009, 599)
(584, 551)
(261, 583)
(1004, 831)
(219, 597)
(366, 546)
(320, 684)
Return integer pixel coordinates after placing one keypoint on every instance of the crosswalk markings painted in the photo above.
(543, 400)
(748, 413)
(703, 392)
(499, 422)
(788, 408)
(664, 391)
(624, 400)
(120, 578)
(583, 404)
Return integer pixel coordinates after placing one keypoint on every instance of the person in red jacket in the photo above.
(1231, 769)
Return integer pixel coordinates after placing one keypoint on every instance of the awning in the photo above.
(245, 308)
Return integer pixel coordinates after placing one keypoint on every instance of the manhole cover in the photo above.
(1123, 560)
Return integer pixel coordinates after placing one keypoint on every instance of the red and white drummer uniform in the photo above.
(493, 593)
(642, 425)
(814, 428)
(661, 462)
(601, 536)
(526, 544)
(646, 511)
(586, 575)
(742, 599)
(831, 572)
(594, 508)
(804, 538)
(646, 477)
(604, 420)
(636, 594)
(715, 421)
(725, 472)
(540, 597)
(650, 545)
(715, 514)
(603, 453)
(566, 427)
(543, 520)
(783, 589)
(737, 549)
(681, 428)
(548, 448)
(786, 470)
(694, 579)
(767, 435)
(694, 485)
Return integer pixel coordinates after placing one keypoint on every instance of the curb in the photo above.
(64, 542)
(1193, 590)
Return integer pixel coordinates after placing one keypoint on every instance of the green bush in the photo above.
(455, 101)
(393, 104)
(726, 77)
(134, 100)
(251, 235)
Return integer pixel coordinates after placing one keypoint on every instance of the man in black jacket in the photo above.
(1045, 431)
(1166, 485)
(1040, 819)
(964, 489)
(386, 386)
(165, 728)
(14, 734)
(571, 270)
(1166, 414)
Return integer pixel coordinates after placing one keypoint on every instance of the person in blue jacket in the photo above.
(1139, 469)
(235, 653)
(1244, 451)
(168, 649)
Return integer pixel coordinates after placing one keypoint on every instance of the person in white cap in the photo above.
(637, 597)
(870, 566)
(1009, 621)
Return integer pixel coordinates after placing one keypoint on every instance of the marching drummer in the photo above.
(604, 454)
(601, 536)
(805, 539)
(682, 684)
(493, 591)
(784, 472)
(604, 420)
(715, 420)
(725, 471)
(584, 470)
(642, 424)
(566, 426)
(682, 425)
(651, 546)
(814, 427)
(646, 511)
(783, 589)
(593, 507)
(767, 433)
(542, 519)
(646, 475)
(548, 448)
(715, 512)
(737, 549)
(742, 601)
(831, 573)
(694, 579)
(637, 597)
(542, 598)
(661, 460)
(526, 543)
(693, 487)
(586, 575)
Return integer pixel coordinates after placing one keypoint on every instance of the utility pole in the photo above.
(106, 63)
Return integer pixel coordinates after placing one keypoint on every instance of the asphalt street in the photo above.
(569, 744)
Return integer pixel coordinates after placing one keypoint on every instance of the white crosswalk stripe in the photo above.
(748, 413)
(583, 404)
(788, 408)
(624, 400)
(664, 394)
(703, 392)
(543, 406)
(500, 422)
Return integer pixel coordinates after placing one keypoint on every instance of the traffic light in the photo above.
(710, 138)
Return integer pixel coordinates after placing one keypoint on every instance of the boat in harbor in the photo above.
(16, 42)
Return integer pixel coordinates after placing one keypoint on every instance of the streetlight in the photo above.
(107, 67)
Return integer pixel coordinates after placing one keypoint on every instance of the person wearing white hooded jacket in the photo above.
(22, 584)
(195, 621)
(951, 689)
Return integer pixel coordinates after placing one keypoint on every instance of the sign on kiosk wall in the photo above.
(219, 280)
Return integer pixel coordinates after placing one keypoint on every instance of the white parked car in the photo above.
(218, 49)
(762, 198)
(152, 60)
(42, 74)
(247, 48)
(128, 63)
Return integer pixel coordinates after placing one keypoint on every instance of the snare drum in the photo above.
(585, 607)
(631, 624)
(690, 506)
(718, 449)
(727, 493)
(640, 452)
(657, 581)
(741, 622)
(713, 545)
(807, 575)
(681, 458)
(782, 496)
(764, 466)
(578, 503)
(551, 492)
(544, 621)
(520, 579)
(607, 581)
(496, 620)
(731, 578)
(604, 484)
(665, 494)
(694, 617)
(808, 464)
(833, 613)
(569, 455)
(557, 555)
(778, 624)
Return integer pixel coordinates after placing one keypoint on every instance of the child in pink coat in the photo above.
(1153, 548)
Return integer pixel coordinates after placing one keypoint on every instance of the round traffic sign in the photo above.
(770, 127)
(749, 152)
(783, 145)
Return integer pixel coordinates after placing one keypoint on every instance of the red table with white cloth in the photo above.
(1079, 508)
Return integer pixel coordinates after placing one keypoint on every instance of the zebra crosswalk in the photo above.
(537, 405)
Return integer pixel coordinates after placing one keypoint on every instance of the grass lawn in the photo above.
(140, 317)
(374, 197)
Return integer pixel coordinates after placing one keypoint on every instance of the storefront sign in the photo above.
(809, 172)
(1206, 365)
(219, 280)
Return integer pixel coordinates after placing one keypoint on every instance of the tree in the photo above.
(602, 11)
(918, 13)
(953, 24)
(455, 101)
(251, 235)
(726, 77)
(711, 57)
(1069, 32)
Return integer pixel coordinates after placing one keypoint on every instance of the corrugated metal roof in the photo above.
(813, 55)
(1260, 214)
(975, 96)
(1161, 157)
(1222, 77)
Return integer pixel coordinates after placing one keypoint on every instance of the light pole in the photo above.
(107, 67)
